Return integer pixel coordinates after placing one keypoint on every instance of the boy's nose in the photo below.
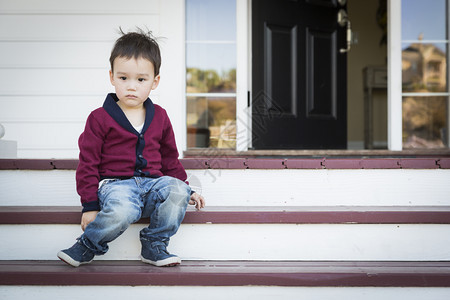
(132, 86)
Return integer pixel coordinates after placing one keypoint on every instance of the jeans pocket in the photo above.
(104, 185)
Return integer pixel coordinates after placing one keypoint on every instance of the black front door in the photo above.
(298, 75)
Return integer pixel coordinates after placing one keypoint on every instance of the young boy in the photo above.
(128, 166)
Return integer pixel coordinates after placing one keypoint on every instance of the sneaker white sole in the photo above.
(69, 260)
(168, 262)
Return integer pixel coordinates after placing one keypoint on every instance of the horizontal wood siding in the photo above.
(54, 67)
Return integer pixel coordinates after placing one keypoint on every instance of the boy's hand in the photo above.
(87, 218)
(197, 200)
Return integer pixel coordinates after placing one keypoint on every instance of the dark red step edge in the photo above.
(208, 273)
(249, 215)
(254, 163)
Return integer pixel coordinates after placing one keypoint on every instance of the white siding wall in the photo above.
(54, 66)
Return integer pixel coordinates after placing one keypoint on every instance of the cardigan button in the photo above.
(141, 136)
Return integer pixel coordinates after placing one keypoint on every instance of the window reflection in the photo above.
(211, 122)
(424, 67)
(210, 81)
(424, 122)
(211, 72)
(426, 18)
(208, 20)
(211, 68)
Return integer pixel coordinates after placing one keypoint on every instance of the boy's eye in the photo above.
(122, 78)
(141, 79)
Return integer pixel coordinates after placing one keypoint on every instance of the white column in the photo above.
(394, 76)
(172, 87)
(243, 113)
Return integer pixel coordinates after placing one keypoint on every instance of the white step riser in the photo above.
(221, 293)
(408, 242)
(258, 187)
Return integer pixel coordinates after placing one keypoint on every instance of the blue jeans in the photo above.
(123, 202)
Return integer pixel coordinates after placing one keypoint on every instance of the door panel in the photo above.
(321, 74)
(281, 67)
(298, 75)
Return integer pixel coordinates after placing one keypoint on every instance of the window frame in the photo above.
(241, 44)
(395, 91)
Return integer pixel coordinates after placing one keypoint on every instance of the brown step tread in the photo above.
(345, 160)
(252, 215)
(230, 273)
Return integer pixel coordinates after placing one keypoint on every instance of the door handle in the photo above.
(343, 20)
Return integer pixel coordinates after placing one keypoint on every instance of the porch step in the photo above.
(248, 233)
(272, 229)
(229, 273)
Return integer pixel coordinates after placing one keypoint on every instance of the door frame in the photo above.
(243, 75)
(394, 86)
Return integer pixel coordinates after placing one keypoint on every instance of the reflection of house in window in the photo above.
(424, 68)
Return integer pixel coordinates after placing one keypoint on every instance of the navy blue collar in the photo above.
(113, 109)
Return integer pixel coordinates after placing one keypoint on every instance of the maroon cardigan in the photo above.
(110, 147)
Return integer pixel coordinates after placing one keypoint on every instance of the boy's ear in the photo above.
(155, 82)
(111, 77)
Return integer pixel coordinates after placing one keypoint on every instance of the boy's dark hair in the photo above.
(136, 45)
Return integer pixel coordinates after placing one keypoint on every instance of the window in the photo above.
(211, 73)
(425, 90)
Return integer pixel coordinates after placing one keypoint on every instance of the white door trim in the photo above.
(394, 75)
(243, 72)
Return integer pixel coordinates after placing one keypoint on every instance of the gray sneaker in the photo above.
(155, 253)
(76, 255)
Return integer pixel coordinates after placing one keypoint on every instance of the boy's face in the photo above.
(133, 79)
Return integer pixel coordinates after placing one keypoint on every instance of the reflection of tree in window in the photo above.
(209, 81)
(424, 122)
